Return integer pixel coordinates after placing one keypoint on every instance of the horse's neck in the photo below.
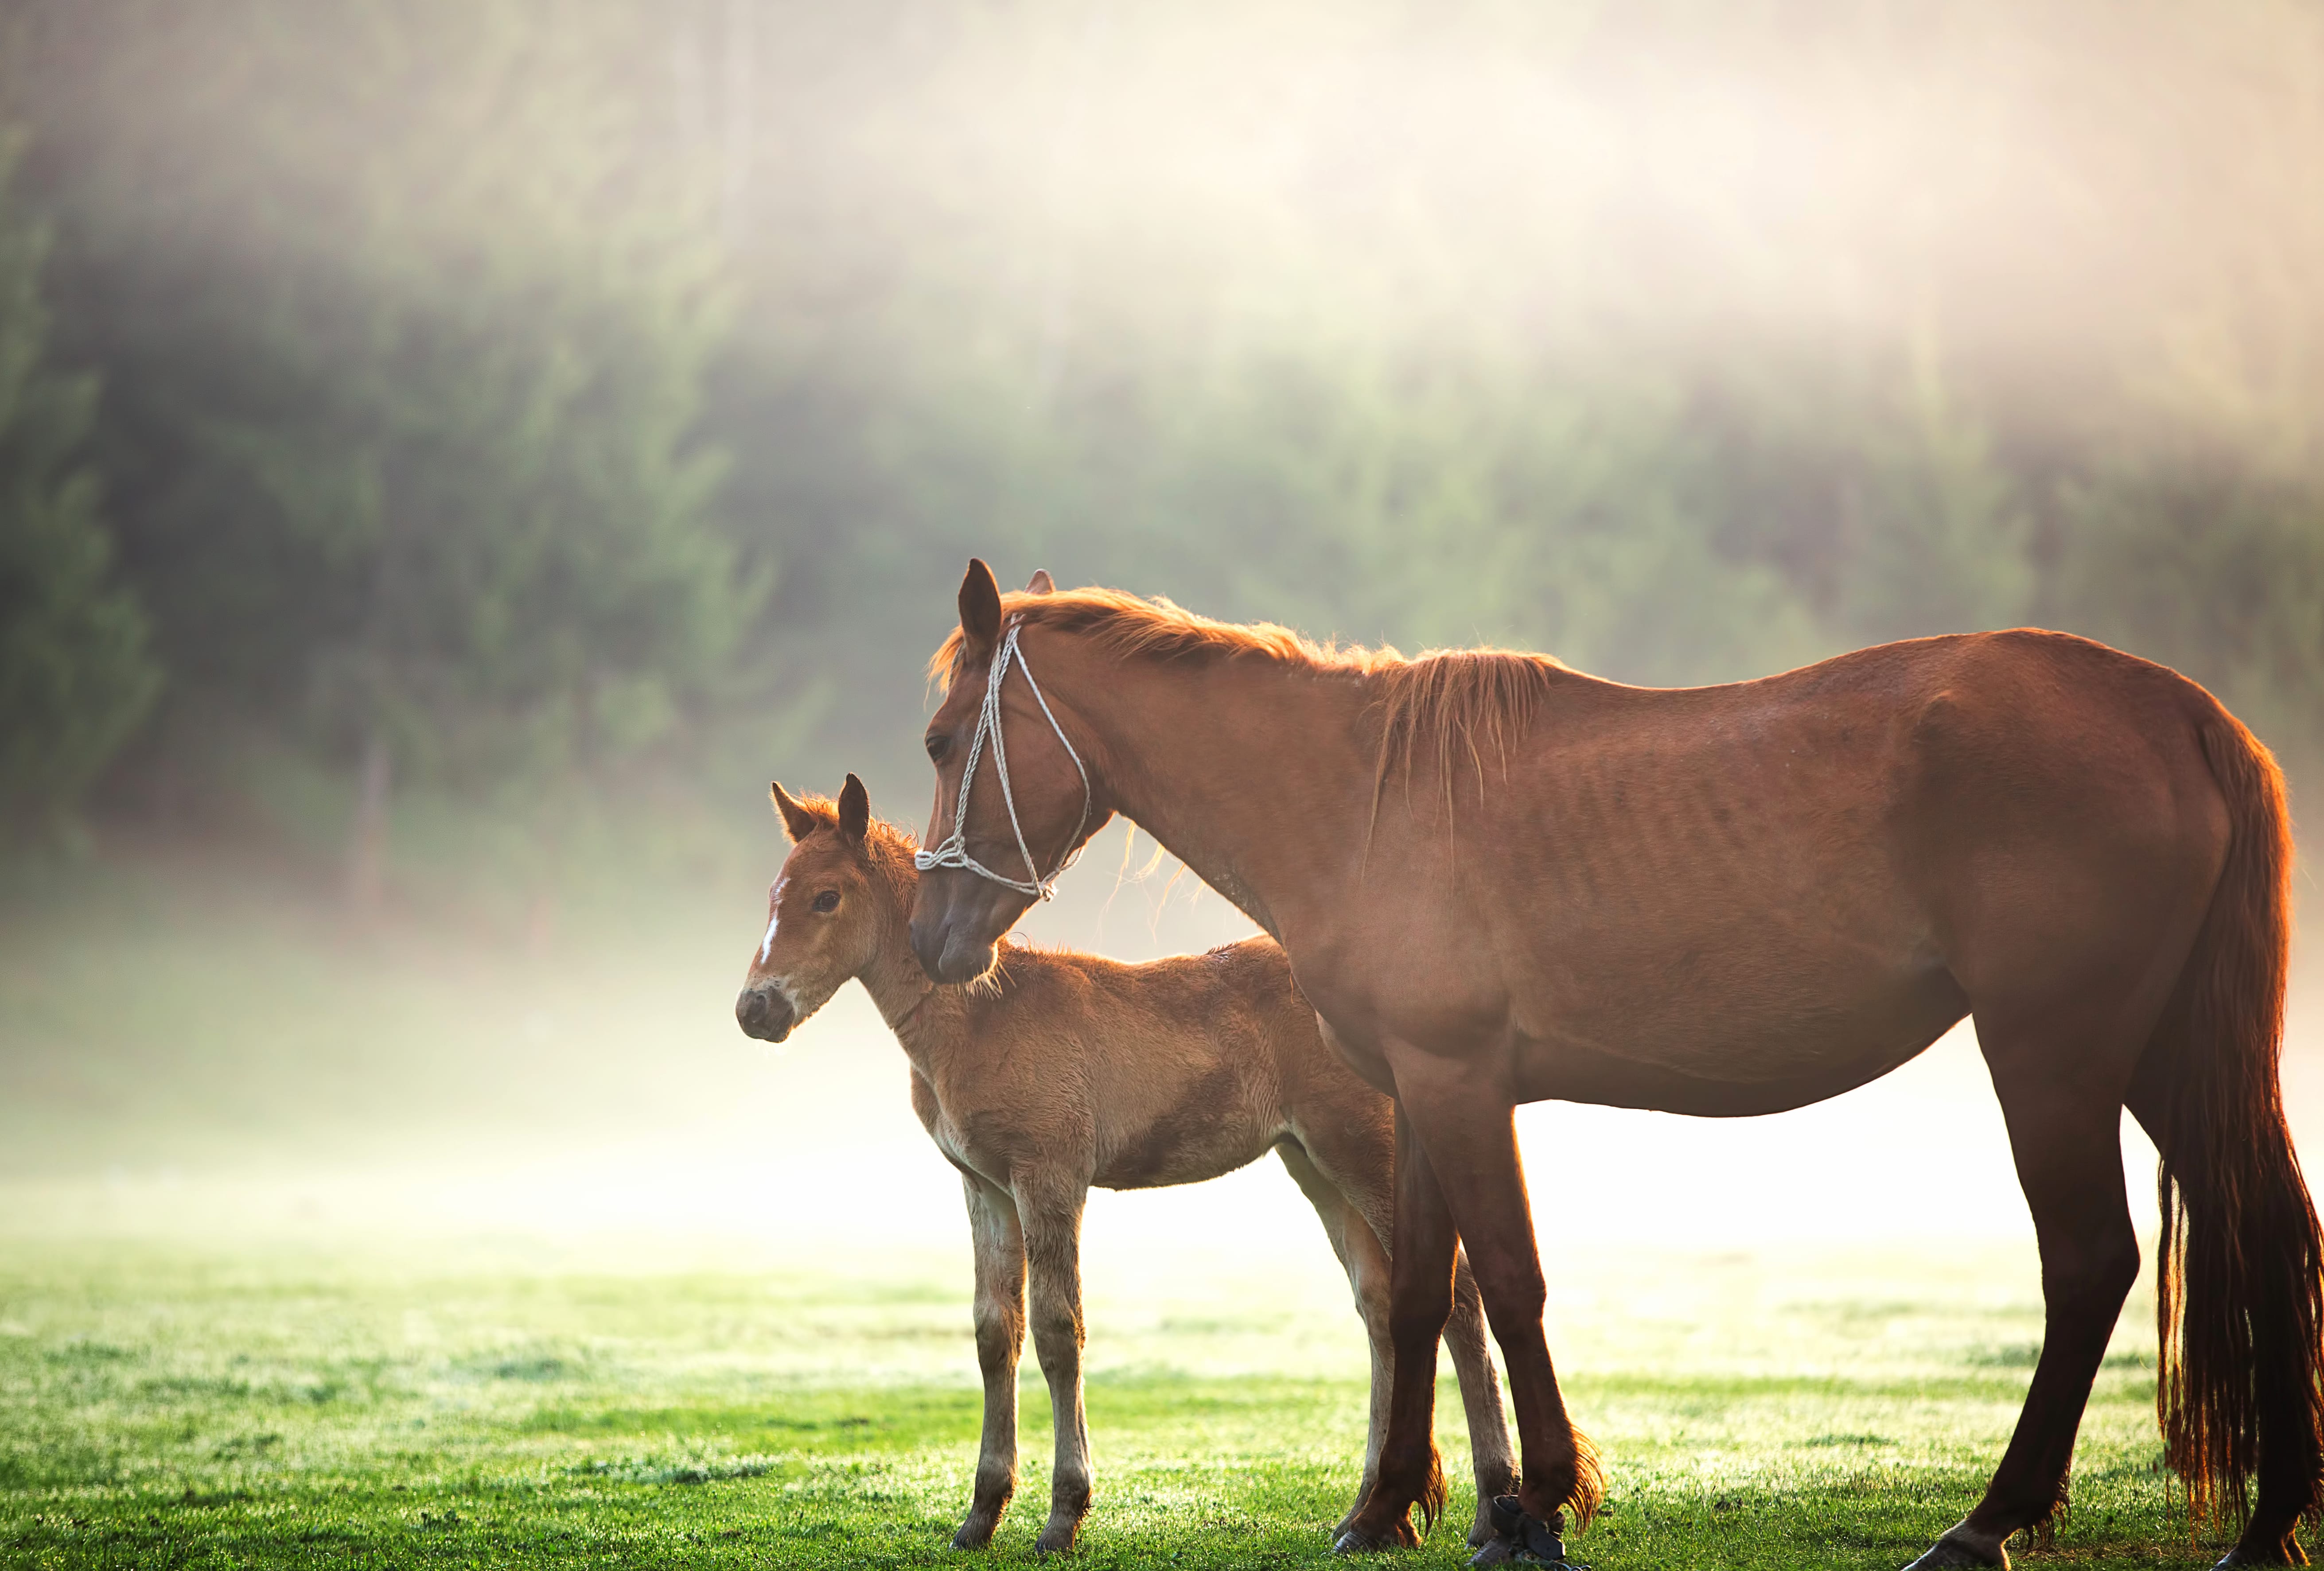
(1251, 772)
(900, 990)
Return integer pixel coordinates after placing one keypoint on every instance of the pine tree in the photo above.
(74, 677)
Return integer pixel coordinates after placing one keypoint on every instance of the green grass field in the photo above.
(270, 1405)
(378, 1400)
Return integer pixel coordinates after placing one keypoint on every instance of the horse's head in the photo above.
(824, 913)
(984, 868)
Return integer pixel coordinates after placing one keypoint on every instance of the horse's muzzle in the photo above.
(949, 953)
(764, 1012)
(956, 919)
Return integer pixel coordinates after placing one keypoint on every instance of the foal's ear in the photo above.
(1041, 583)
(797, 822)
(854, 811)
(980, 609)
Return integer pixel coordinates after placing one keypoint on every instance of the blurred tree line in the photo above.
(516, 403)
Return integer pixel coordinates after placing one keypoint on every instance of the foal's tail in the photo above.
(2239, 1297)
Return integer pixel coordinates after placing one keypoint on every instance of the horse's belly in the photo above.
(1749, 1052)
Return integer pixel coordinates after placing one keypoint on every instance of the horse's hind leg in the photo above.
(2063, 1107)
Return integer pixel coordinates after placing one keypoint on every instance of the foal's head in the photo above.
(828, 912)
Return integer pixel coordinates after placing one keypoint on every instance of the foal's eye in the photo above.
(827, 900)
(938, 746)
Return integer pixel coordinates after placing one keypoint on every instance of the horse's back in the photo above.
(1738, 898)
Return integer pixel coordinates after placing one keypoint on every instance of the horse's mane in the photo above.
(1158, 629)
(1450, 704)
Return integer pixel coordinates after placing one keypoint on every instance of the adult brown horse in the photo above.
(1500, 880)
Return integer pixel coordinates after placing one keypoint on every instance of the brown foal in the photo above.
(1500, 880)
(1065, 1070)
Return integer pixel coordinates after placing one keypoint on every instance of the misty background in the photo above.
(453, 452)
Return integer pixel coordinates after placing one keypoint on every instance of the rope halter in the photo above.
(952, 850)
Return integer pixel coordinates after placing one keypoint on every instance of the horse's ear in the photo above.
(1041, 583)
(980, 609)
(797, 822)
(854, 811)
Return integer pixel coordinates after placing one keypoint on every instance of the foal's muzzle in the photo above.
(764, 1012)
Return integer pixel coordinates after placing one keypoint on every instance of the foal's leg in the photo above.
(1051, 1212)
(1366, 1263)
(999, 1339)
(2065, 1132)
(1472, 1156)
(1490, 1455)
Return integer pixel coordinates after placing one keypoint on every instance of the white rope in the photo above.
(953, 852)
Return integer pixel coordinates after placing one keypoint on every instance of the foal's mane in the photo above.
(889, 846)
(1442, 704)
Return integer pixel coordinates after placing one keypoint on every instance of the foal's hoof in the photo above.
(2287, 1553)
(975, 1534)
(1949, 1552)
(1057, 1538)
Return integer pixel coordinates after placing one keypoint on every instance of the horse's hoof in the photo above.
(1354, 1541)
(2287, 1554)
(973, 1534)
(1524, 1539)
(1481, 1534)
(1950, 1554)
(1057, 1538)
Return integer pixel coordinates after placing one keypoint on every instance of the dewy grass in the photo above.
(260, 1408)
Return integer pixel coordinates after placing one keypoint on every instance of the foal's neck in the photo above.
(898, 985)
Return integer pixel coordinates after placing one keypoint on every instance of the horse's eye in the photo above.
(827, 900)
(938, 746)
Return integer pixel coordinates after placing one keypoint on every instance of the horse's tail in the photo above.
(2239, 1293)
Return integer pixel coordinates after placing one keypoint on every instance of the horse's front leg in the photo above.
(999, 1245)
(1471, 1142)
(1051, 1212)
(1410, 1472)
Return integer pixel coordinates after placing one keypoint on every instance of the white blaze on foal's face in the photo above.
(774, 918)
